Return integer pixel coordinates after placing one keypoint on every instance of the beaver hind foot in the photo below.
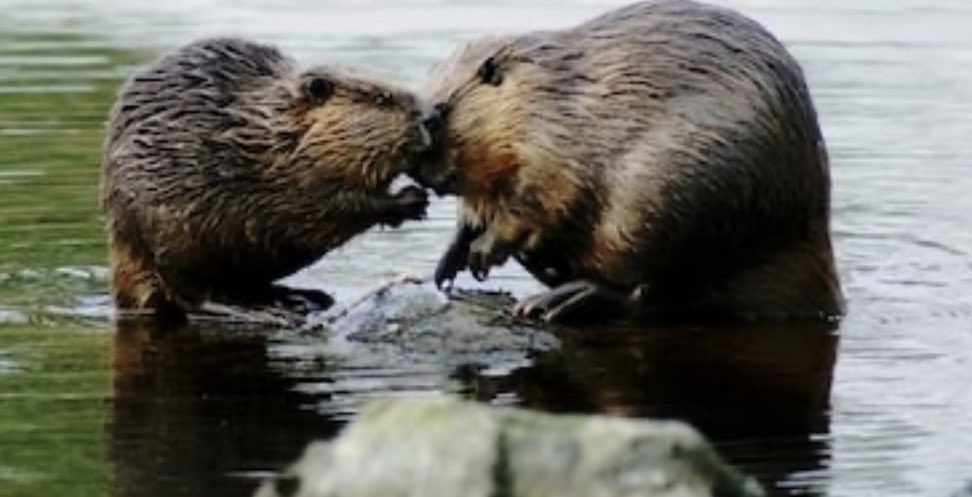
(299, 300)
(575, 302)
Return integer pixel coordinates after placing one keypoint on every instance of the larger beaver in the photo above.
(661, 160)
(227, 167)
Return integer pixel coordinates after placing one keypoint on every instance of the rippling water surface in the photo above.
(880, 406)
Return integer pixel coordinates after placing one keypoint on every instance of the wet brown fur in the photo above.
(222, 171)
(667, 148)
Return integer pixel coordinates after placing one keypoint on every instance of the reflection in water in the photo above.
(194, 406)
(760, 392)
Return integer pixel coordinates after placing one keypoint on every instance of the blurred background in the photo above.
(878, 406)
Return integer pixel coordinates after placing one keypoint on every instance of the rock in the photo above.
(413, 321)
(449, 448)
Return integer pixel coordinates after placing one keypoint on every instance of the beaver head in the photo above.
(246, 109)
(338, 126)
(507, 104)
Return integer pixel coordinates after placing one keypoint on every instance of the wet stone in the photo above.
(445, 447)
(415, 321)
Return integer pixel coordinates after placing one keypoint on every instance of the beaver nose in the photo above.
(434, 120)
(429, 130)
(422, 141)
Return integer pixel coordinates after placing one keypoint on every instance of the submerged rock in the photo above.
(448, 448)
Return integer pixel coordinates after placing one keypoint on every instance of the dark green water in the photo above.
(879, 406)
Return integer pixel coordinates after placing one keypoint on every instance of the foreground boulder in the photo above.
(448, 448)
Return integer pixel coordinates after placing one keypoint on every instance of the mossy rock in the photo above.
(445, 447)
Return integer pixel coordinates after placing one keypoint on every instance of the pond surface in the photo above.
(881, 405)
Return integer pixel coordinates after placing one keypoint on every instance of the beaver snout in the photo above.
(434, 120)
(427, 132)
(433, 171)
(420, 141)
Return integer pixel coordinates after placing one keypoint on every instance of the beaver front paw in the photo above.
(453, 261)
(408, 204)
(456, 256)
(486, 252)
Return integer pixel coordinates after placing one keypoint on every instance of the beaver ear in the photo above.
(318, 90)
(490, 72)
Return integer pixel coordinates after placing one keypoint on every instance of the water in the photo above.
(879, 406)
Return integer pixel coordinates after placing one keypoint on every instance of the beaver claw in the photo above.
(578, 300)
(472, 248)
(456, 256)
(408, 204)
(484, 253)
(453, 261)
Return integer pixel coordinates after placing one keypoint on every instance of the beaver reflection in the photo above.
(195, 405)
(761, 392)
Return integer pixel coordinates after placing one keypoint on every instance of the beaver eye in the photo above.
(489, 73)
(319, 90)
(384, 99)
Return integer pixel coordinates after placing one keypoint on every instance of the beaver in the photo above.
(227, 167)
(663, 160)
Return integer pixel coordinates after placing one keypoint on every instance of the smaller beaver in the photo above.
(227, 167)
(662, 160)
